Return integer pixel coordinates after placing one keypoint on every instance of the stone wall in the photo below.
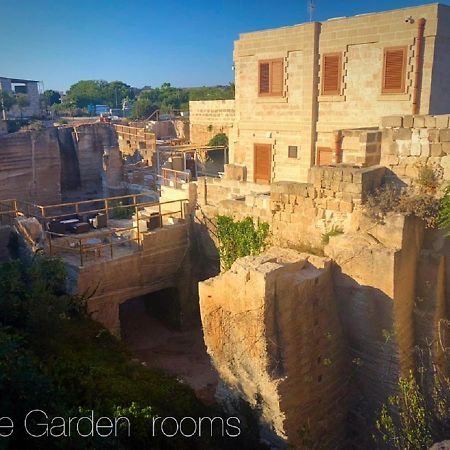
(411, 140)
(287, 120)
(271, 328)
(362, 40)
(376, 275)
(208, 118)
(162, 263)
(30, 166)
(169, 129)
(361, 147)
(296, 212)
(302, 112)
(71, 162)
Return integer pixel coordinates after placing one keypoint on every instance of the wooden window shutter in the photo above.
(394, 70)
(277, 81)
(271, 77)
(331, 74)
(264, 78)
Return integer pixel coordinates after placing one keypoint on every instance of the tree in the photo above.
(7, 101)
(86, 92)
(115, 92)
(51, 97)
(22, 102)
(143, 107)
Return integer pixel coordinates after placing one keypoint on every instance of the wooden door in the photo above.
(262, 163)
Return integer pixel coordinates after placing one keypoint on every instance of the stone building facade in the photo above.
(299, 87)
(208, 118)
(28, 87)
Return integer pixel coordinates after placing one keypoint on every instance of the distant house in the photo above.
(27, 87)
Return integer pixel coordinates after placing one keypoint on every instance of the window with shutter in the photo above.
(331, 74)
(394, 70)
(264, 78)
(271, 77)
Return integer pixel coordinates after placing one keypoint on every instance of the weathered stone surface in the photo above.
(271, 329)
(30, 166)
(392, 121)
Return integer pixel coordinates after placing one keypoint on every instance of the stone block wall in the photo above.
(361, 147)
(296, 212)
(208, 118)
(411, 140)
(281, 121)
(271, 328)
(361, 40)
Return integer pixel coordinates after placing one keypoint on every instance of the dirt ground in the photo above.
(181, 353)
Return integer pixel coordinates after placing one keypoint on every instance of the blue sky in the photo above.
(145, 42)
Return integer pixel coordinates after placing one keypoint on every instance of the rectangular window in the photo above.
(292, 151)
(394, 70)
(271, 77)
(331, 74)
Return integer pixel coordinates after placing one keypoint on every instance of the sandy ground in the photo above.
(181, 353)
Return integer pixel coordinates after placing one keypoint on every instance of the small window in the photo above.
(394, 70)
(292, 151)
(271, 77)
(331, 74)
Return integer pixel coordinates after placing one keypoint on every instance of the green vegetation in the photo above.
(444, 210)
(429, 178)
(86, 92)
(7, 101)
(239, 238)
(165, 98)
(390, 198)
(419, 415)
(51, 97)
(55, 358)
(22, 102)
(335, 231)
(168, 98)
(219, 140)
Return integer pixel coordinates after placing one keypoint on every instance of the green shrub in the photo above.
(239, 238)
(219, 140)
(390, 198)
(444, 210)
(429, 178)
(335, 231)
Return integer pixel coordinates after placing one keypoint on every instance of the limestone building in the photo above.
(296, 86)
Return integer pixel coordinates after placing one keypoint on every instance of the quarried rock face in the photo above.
(272, 330)
(30, 166)
(375, 283)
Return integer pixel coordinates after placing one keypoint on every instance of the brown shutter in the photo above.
(331, 74)
(277, 77)
(271, 77)
(264, 78)
(394, 70)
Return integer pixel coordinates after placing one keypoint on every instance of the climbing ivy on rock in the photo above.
(239, 238)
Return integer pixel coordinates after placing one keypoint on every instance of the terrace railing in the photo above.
(95, 243)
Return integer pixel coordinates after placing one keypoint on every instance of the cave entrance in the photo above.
(162, 306)
(150, 328)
